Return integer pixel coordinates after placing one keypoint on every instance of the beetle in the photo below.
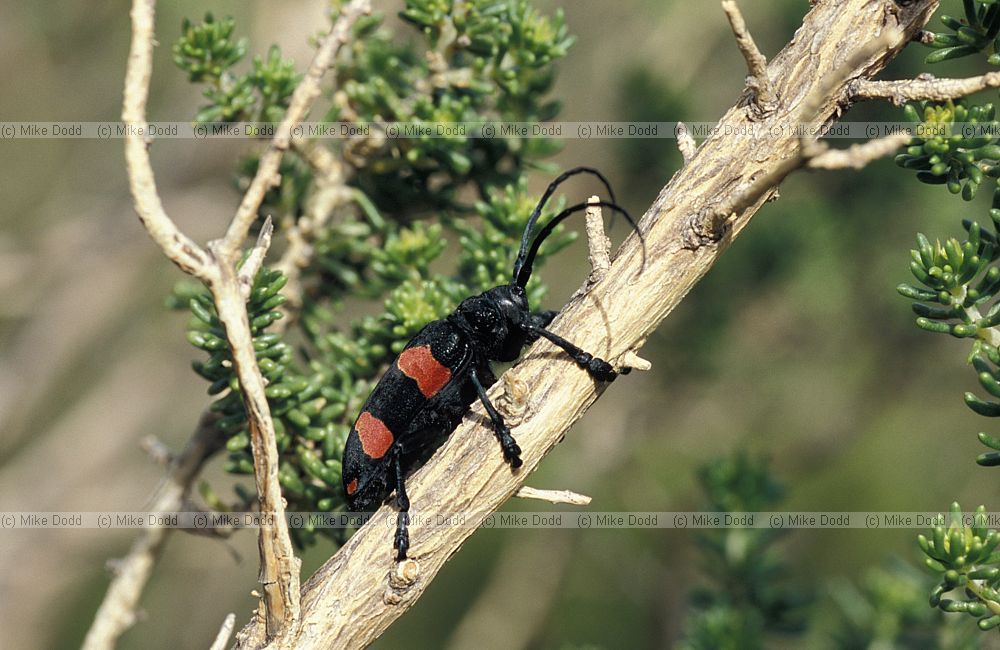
(427, 390)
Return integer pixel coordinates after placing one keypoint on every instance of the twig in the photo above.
(923, 87)
(597, 241)
(757, 81)
(226, 631)
(118, 610)
(858, 155)
(815, 155)
(331, 192)
(633, 361)
(255, 260)
(302, 100)
(182, 250)
(553, 496)
(156, 450)
(685, 143)
(279, 570)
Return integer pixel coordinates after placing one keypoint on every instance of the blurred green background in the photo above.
(795, 346)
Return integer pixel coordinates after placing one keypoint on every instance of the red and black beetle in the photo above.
(445, 368)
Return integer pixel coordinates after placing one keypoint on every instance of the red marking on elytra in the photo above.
(352, 487)
(420, 365)
(376, 438)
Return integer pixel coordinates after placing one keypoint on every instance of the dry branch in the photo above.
(359, 592)
(858, 155)
(182, 250)
(119, 608)
(279, 568)
(226, 631)
(757, 81)
(302, 100)
(330, 193)
(925, 86)
(553, 496)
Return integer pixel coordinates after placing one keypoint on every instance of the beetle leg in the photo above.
(598, 368)
(402, 541)
(511, 452)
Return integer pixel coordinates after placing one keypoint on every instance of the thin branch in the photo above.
(553, 496)
(156, 450)
(685, 143)
(358, 593)
(332, 192)
(279, 569)
(302, 100)
(118, 610)
(815, 155)
(756, 61)
(925, 86)
(182, 250)
(226, 631)
(859, 155)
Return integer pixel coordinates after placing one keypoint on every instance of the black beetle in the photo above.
(445, 368)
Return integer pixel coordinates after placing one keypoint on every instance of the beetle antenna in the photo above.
(523, 273)
(522, 252)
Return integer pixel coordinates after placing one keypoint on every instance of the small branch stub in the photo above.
(762, 101)
(402, 577)
(255, 260)
(685, 143)
(633, 361)
(597, 241)
(553, 496)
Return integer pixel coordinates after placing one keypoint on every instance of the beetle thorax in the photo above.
(495, 321)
